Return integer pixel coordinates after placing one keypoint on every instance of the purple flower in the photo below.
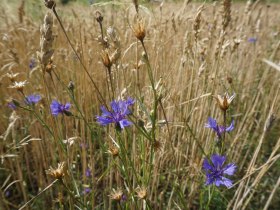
(88, 172)
(58, 108)
(120, 109)
(216, 170)
(219, 129)
(252, 40)
(32, 99)
(12, 105)
(32, 63)
(87, 190)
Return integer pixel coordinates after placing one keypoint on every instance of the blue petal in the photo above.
(130, 101)
(103, 120)
(218, 161)
(105, 112)
(227, 182)
(123, 123)
(229, 169)
(211, 123)
(67, 106)
(231, 127)
(115, 106)
(206, 165)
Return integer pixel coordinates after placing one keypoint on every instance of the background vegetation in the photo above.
(190, 52)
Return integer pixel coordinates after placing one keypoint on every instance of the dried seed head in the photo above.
(224, 101)
(57, 173)
(19, 85)
(106, 59)
(157, 145)
(113, 150)
(50, 4)
(71, 85)
(98, 17)
(141, 192)
(116, 195)
(139, 30)
(12, 76)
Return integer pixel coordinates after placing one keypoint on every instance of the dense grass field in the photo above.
(124, 105)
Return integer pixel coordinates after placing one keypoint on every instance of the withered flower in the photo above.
(139, 31)
(50, 4)
(116, 194)
(106, 59)
(113, 150)
(141, 192)
(12, 76)
(19, 85)
(57, 173)
(224, 101)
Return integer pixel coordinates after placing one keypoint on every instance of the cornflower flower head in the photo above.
(58, 108)
(120, 109)
(216, 170)
(32, 99)
(219, 129)
(224, 101)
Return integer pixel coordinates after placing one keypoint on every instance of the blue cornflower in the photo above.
(87, 190)
(252, 40)
(120, 109)
(58, 108)
(32, 99)
(216, 170)
(219, 129)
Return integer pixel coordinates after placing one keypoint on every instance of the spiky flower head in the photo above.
(12, 76)
(19, 85)
(141, 192)
(57, 173)
(116, 195)
(118, 114)
(216, 170)
(224, 101)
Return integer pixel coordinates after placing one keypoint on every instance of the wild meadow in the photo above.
(137, 105)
